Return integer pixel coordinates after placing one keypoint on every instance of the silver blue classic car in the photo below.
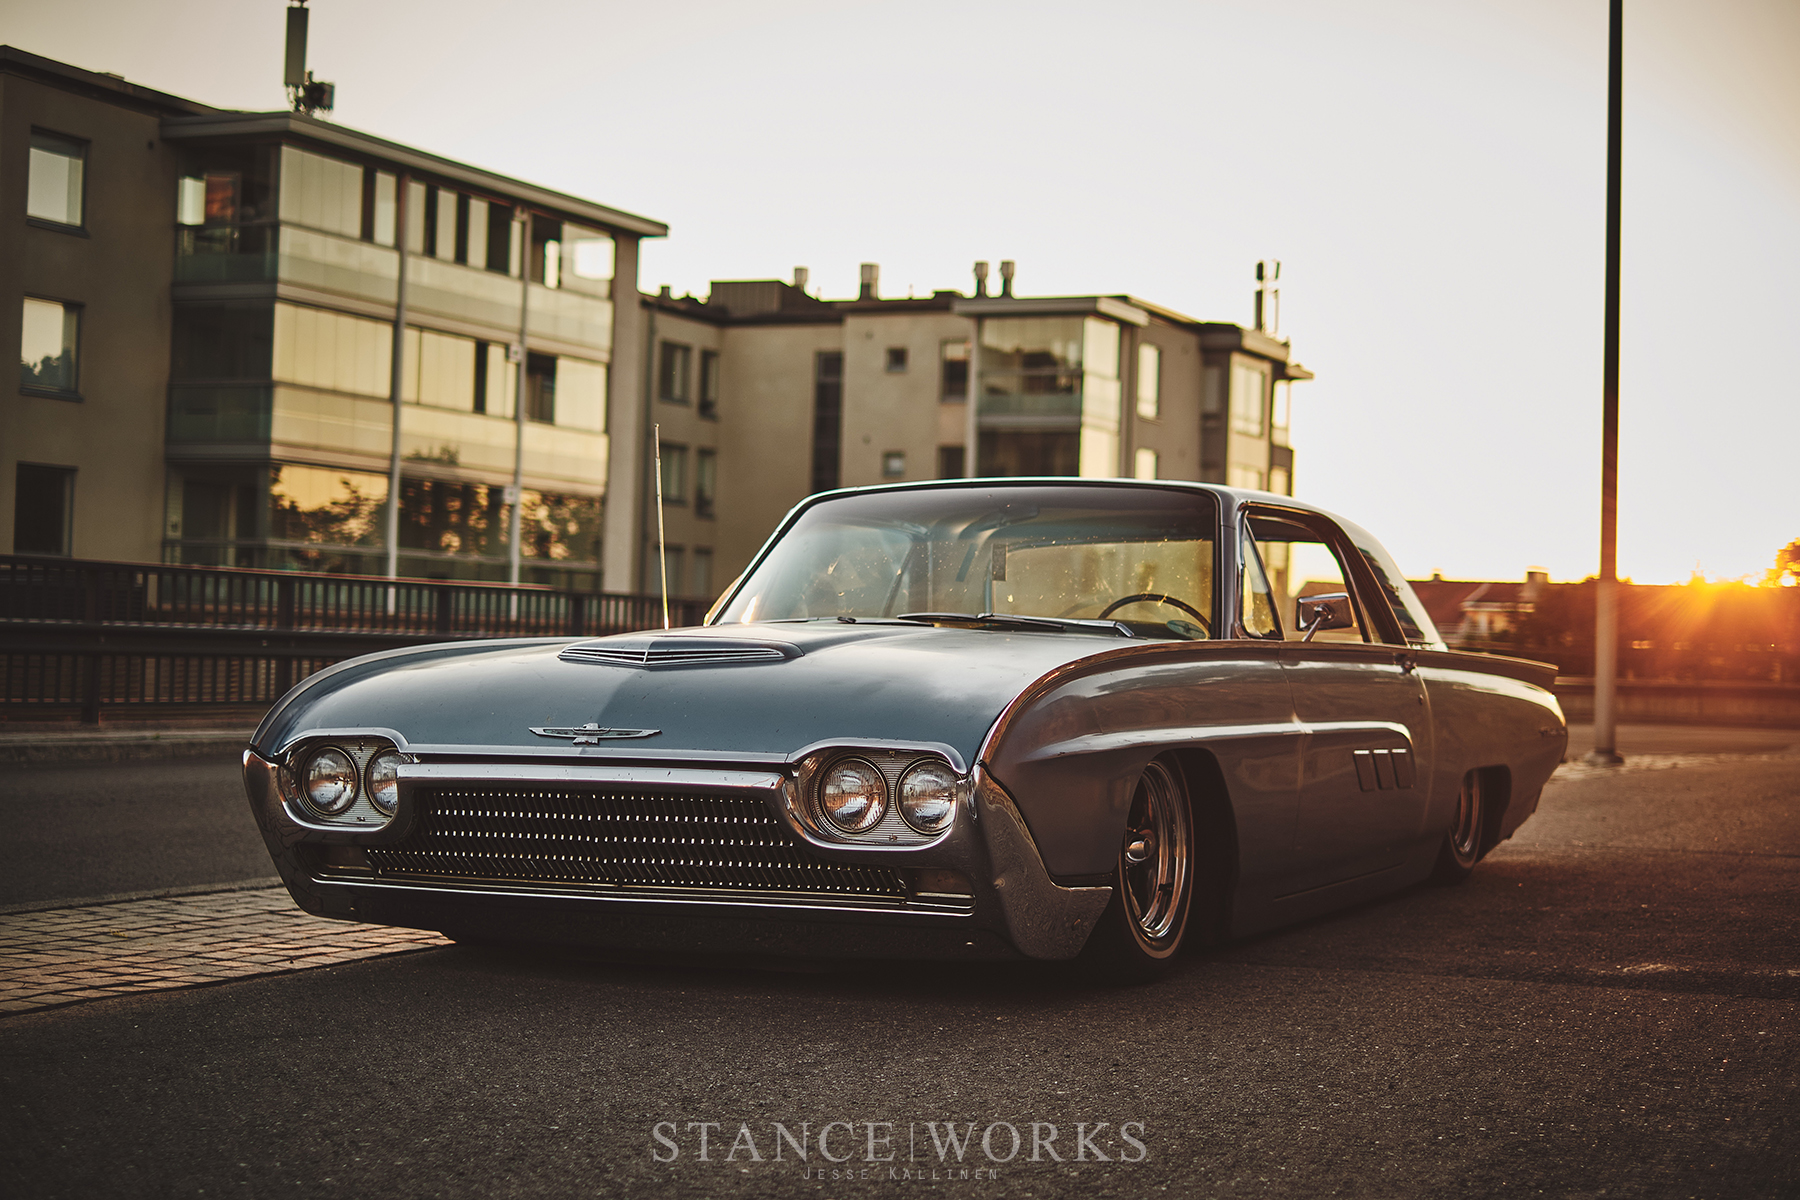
(1038, 718)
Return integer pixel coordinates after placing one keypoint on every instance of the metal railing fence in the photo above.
(141, 635)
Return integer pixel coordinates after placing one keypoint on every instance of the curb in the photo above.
(50, 748)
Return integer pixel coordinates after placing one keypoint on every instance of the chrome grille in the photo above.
(625, 840)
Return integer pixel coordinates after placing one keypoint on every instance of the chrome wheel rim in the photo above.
(1465, 833)
(1154, 864)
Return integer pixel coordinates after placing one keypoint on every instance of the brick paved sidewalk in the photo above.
(66, 955)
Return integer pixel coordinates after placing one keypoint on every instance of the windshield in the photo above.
(1140, 556)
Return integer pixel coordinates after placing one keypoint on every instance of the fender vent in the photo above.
(677, 651)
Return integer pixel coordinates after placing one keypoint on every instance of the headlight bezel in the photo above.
(295, 768)
(807, 811)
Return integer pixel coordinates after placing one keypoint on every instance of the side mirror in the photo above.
(1328, 611)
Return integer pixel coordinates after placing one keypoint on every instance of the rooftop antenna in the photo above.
(662, 549)
(306, 94)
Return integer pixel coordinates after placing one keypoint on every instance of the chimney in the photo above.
(1268, 297)
(667, 293)
(981, 280)
(801, 276)
(1006, 278)
(871, 281)
(1536, 580)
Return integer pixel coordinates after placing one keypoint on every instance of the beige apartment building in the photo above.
(765, 394)
(207, 305)
(221, 315)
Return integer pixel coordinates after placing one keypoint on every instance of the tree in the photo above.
(1786, 571)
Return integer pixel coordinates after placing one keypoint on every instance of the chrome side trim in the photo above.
(758, 781)
(627, 897)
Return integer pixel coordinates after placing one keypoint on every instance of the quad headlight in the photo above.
(878, 797)
(928, 796)
(328, 781)
(382, 775)
(854, 795)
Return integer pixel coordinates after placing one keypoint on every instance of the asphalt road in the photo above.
(1607, 1009)
(75, 831)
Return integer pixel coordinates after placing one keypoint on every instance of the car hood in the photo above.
(821, 682)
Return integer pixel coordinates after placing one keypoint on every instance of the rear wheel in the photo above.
(1462, 841)
(1153, 883)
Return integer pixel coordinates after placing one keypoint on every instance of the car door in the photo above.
(1358, 700)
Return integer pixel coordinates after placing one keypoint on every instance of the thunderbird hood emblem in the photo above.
(590, 734)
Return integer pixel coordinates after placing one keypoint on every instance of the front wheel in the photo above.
(1153, 884)
(1462, 841)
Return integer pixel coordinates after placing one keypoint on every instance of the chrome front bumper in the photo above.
(1017, 909)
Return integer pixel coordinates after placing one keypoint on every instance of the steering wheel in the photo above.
(1153, 598)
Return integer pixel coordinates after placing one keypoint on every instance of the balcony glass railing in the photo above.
(351, 267)
(207, 413)
(225, 253)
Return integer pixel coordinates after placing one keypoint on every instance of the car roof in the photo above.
(1235, 496)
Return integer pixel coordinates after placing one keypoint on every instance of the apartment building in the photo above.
(208, 304)
(765, 394)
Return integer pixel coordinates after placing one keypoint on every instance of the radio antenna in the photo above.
(662, 550)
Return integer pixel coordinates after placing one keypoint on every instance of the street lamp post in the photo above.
(1606, 593)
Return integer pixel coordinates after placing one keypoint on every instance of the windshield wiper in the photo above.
(1012, 621)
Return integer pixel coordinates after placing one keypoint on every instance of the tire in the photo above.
(1461, 848)
(1142, 929)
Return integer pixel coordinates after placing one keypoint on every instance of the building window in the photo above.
(709, 385)
(58, 166)
(1247, 400)
(1246, 477)
(1145, 465)
(581, 394)
(893, 464)
(321, 193)
(673, 557)
(706, 485)
(896, 359)
(954, 360)
(674, 473)
(546, 251)
(1149, 382)
(587, 260)
(500, 235)
(1278, 411)
(672, 373)
(48, 342)
(428, 241)
(481, 377)
(540, 388)
(43, 506)
(1280, 482)
(950, 461)
(701, 583)
(828, 418)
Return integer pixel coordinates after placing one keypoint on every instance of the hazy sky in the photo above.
(1431, 176)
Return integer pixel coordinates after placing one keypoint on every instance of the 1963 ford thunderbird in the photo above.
(972, 719)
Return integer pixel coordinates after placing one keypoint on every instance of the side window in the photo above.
(1301, 563)
(1415, 626)
(1256, 604)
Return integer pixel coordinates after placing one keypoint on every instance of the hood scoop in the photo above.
(678, 651)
